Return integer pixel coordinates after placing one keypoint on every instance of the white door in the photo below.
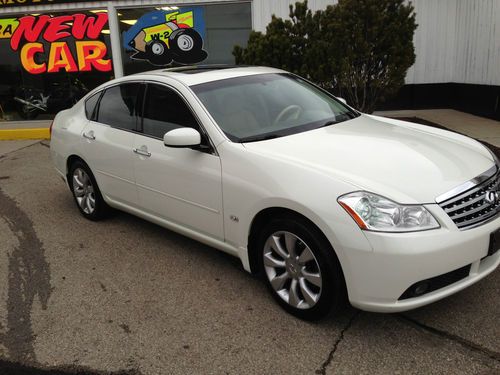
(181, 185)
(109, 143)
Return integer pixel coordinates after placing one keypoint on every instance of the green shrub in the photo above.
(361, 49)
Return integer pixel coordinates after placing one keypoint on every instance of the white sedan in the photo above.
(326, 203)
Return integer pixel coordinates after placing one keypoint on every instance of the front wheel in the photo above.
(158, 53)
(301, 269)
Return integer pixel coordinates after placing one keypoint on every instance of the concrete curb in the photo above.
(15, 134)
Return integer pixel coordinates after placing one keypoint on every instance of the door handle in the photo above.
(90, 135)
(143, 152)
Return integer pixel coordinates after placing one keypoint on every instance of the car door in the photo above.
(181, 185)
(109, 142)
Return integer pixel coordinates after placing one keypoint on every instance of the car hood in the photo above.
(406, 162)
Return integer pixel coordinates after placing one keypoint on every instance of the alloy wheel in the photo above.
(185, 43)
(84, 191)
(157, 48)
(292, 270)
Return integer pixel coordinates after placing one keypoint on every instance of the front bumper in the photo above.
(378, 278)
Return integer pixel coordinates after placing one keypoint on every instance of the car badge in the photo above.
(491, 197)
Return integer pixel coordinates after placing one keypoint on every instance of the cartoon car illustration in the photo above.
(161, 38)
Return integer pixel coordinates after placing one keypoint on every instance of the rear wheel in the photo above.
(186, 46)
(301, 269)
(86, 193)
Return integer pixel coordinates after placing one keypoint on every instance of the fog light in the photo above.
(420, 288)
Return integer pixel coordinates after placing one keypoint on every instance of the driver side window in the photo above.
(165, 110)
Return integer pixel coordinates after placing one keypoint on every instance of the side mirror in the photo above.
(342, 100)
(182, 137)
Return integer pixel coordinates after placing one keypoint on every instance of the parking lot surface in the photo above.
(126, 296)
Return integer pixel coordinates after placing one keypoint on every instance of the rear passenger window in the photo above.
(165, 110)
(118, 106)
(90, 104)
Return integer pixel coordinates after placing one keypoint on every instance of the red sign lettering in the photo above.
(90, 54)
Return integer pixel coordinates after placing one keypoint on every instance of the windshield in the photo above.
(265, 106)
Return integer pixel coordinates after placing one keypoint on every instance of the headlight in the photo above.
(494, 156)
(373, 212)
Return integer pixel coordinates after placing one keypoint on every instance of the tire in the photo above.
(186, 46)
(85, 190)
(313, 297)
(158, 53)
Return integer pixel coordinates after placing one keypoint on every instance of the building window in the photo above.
(173, 36)
(48, 70)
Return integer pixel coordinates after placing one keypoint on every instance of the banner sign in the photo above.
(45, 43)
(163, 37)
(19, 3)
(7, 27)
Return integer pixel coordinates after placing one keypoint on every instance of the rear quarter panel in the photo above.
(66, 136)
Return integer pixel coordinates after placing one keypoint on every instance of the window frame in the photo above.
(96, 106)
(205, 138)
(139, 103)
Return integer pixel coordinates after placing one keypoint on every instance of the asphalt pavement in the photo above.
(125, 296)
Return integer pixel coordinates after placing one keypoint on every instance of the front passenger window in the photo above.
(165, 110)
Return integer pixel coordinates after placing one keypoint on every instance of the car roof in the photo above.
(197, 74)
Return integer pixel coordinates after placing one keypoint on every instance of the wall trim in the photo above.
(481, 100)
(64, 7)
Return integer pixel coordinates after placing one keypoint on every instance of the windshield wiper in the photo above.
(340, 118)
(329, 122)
(256, 138)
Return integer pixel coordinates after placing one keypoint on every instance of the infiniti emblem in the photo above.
(491, 197)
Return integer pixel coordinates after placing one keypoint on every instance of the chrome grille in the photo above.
(468, 207)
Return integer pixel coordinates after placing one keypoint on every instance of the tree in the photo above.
(360, 49)
(284, 44)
